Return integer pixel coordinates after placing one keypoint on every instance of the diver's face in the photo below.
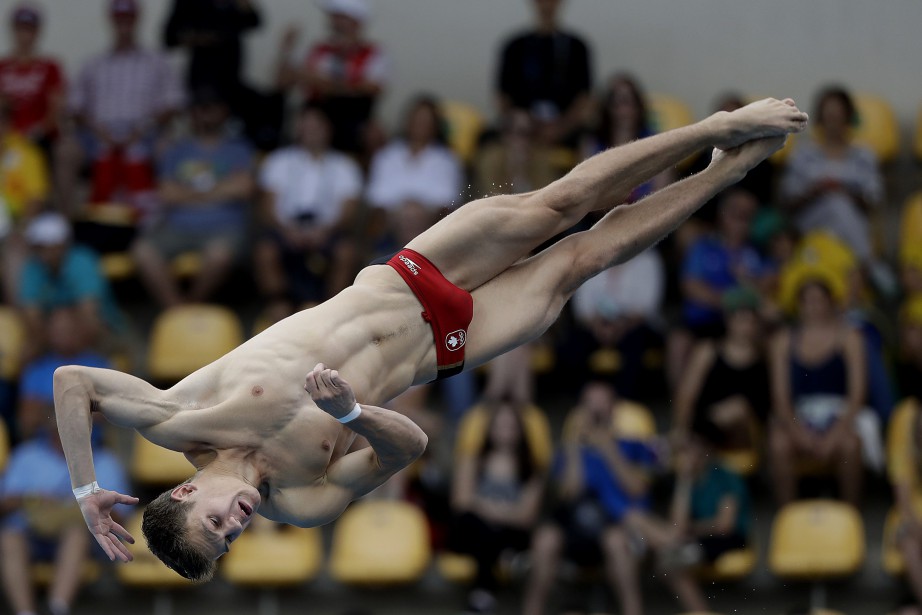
(221, 509)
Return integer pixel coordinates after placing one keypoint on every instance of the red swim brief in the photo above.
(447, 308)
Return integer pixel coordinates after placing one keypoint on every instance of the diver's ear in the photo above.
(183, 491)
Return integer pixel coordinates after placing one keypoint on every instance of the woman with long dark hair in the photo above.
(496, 495)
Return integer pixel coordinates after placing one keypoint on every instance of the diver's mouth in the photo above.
(246, 508)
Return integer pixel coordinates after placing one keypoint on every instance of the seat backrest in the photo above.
(464, 125)
(668, 112)
(187, 338)
(12, 339)
(911, 228)
(473, 429)
(378, 542)
(157, 466)
(269, 555)
(877, 127)
(816, 539)
(633, 421)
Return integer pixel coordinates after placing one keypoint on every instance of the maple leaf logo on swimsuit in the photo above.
(455, 339)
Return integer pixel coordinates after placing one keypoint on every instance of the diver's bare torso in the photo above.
(252, 401)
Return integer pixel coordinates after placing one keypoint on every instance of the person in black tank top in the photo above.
(727, 381)
(819, 386)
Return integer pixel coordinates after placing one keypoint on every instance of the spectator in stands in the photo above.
(547, 71)
(59, 273)
(206, 183)
(32, 84)
(624, 117)
(344, 74)
(415, 178)
(23, 190)
(710, 516)
(713, 265)
(41, 522)
(601, 477)
(819, 388)
(618, 311)
(726, 382)
(309, 201)
(516, 163)
(830, 182)
(496, 496)
(68, 344)
(212, 32)
(122, 102)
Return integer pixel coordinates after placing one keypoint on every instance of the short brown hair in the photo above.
(164, 525)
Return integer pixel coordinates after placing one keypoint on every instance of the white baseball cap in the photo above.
(359, 10)
(48, 229)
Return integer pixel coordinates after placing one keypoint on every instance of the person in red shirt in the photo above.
(33, 85)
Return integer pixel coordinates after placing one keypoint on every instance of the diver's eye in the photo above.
(214, 521)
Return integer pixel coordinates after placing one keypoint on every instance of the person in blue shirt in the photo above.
(205, 191)
(68, 344)
(601, 478)
(710, 515)
(41, 521)
(59, 273)
(713, 265)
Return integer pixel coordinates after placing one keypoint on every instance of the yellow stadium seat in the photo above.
(898, 430)
(668, 112)
(117, 265)
(269, 555)
(731, 566)
(4, 445)
(157, 466)
(877, 126)
(187, 338)
(562, 158)
(543, 358)
(456, 567)
(633, 421)
(917, 141)
(146, 571)
(890, 557)
(473, 428)
(12, 340)
(43, 573)
(186, 265)
(378, 542)
(816, 540)
(911, 230)
(110, 214)
(464, 125)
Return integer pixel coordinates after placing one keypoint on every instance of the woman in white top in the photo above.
(416, 178)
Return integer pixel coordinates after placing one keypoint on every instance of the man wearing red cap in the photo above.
(32, 85)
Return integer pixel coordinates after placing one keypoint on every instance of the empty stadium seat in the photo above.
(464, 125)
(378, 542)
(12, 340)
(633, 421)
(154, 465)
(117, 265)
(890, 557)
(877, 127)
(456, 567)
(187, 338)
(668, 112)
(43, 573)
(816, 540)
(911, 230)
(269, 555)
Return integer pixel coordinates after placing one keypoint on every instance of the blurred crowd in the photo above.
(771, 337)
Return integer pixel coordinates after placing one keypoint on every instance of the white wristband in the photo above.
(356, 412)
(86, 490)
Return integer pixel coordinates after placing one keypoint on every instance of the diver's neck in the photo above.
(235, 463)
